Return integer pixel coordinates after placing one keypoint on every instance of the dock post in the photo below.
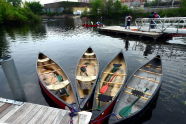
(13, 79)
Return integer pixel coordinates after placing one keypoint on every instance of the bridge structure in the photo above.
(171, 25)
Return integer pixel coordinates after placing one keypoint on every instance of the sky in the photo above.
(49, 1)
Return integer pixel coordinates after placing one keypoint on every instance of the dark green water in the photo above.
(65, 41)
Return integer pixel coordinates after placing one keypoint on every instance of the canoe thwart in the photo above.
(50, 71)
(43, 60)
(46, 65)
(89, 54)
(58, 86)
(148, 94)
(145, 98)
(104, 98)
(150, 72)
(88, 58)
(146, 79)
(86, 78)
(115, 74)
(113, 83)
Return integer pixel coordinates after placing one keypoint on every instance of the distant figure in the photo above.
(128, 21)
(152, 23)
(156, 15)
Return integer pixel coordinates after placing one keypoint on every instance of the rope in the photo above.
(73, 112)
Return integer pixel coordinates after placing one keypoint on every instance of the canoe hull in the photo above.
(103, 118)
(52, 97)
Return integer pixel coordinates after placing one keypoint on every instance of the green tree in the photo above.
(15, 2)
(97, 7)
(117, 7)
(35, 7)
(108, 8)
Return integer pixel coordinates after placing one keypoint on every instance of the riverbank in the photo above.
(16, 15)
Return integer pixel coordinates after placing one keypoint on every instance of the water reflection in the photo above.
(4, 45)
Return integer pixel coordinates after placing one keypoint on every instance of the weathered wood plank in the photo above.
(66, 119)
(38, 115)
(1, 104)
(18, 113)
(6, 111)
(4, 107)
(10, 113)
(45, 116)
(60, 116)
(25, 119)
(25, 113)
(52, 116)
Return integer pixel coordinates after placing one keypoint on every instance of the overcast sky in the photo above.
(49, 1)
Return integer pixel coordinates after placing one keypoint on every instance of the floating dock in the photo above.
(132, 31)
(28, 113)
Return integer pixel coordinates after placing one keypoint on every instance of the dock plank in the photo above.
(1, 104)
(10, 113)
(6, 111)
(24, 114)
(52, 116)
(38, 115)
(29, 115)
(18, 113)
(59, 117)
(45, 116)
(4, 107)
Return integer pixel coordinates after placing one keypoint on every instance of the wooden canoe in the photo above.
(108, 87)
(138, 92)
(55, 83)
(86, 75)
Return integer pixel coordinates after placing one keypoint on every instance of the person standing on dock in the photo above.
(128, 21)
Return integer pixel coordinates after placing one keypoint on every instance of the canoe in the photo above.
(141, 88)
(108, 87)
(55, 83)
(86, 75)
(90, 25)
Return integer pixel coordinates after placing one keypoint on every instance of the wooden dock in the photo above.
(27, 113)
(132, 31)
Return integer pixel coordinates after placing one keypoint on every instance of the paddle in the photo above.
(105, 87)
(124, 112)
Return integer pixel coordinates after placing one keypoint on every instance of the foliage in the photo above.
(108, 8)
(97, 7)
(10, 14)
(35, 7)
(15, 2)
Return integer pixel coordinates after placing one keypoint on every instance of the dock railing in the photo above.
(161, 24)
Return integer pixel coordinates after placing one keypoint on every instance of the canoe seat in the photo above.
(43, 60)
(89, 54)
(58, 86)
(104, 98)
(86, 78)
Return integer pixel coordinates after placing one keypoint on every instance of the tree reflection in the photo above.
(4, 45)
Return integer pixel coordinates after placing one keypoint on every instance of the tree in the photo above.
(35, 7)
(15, 2)
(117, 7)
(97, 7)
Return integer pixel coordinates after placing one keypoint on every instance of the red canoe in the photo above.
(55, 83)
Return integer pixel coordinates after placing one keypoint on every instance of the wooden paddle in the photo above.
(105, 87)
(124, 112)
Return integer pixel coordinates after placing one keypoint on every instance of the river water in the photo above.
(65, 40)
